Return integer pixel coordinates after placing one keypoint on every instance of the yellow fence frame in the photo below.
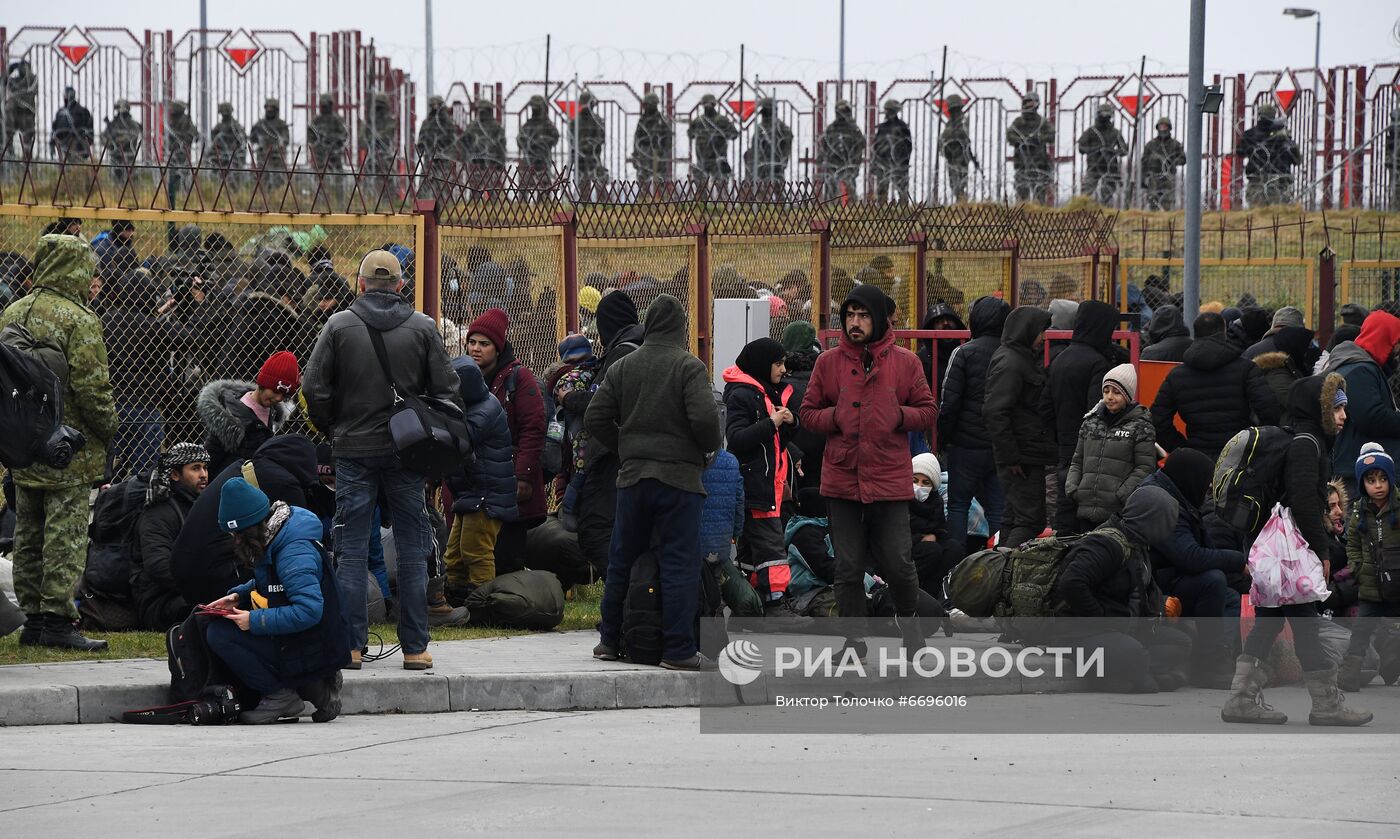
(692, 262)
(1309, 266)
(48, 211)
(1344, 273)
(557, 233)
(1006, 255)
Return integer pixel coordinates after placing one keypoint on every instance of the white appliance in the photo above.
(735, 323)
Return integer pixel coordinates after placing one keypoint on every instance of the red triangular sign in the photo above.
(242, 55)
(568, 106)
(942, 105)
(743, 107)
(1285, 98)
(1132, 105)
(75, 53)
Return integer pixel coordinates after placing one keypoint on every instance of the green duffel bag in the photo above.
(518, 600)
(980, 584)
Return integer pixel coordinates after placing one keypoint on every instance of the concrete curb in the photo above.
(487, 675)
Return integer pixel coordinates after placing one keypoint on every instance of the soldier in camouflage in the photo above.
(180, 136)
(588, 137)
(1161, 157)
(271, 137)
(21, 98)
(536, 140)
(1271, 155)
(379, 138)
(121, 137)
(840, 153)
(890, 154)
(326, 137)
(652, 143)
(437, 141)
(51, 522)
(228, 144)
(767, 156)
(1103, 148)
(71, 134)
(1030, 137)
(955, 146)
(710, 133)
(483, 144)
(1392, 158)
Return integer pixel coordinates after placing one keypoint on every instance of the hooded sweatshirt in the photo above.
(1371, 412)
(1306, 468)
(1021, 433)
(1099, 580)
(656, 407)
(1217, 393)
(761, 446)
(1169, 335)
(946, 346)
(963, 386)
(1076, 374)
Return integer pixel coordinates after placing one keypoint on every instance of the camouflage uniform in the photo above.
(1103, 147)
(1392, 159)
(1160, 159)
(652, 144)
(956, 147)
(271, 137)
(1030, 136)
(52, 510)
(71, 134)
(840, 151)
(437, 140)
(710, 133)
(228, 144)
(379, 137)
(180, 135)
(590, 135)
(121, 137)
(771, 146)
(484, 146)
(890, 154)
(21, 96)
(536, 140)
(326, 137)
(1271, 154)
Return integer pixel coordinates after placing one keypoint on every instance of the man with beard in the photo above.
(183, 475)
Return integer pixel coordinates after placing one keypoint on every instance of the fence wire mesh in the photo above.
(780, 268)
(960, 277)
(644, 268)
(1043, 280)
(1228, 282)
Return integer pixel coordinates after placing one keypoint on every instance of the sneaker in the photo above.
(699, 661)
(603, 652)
(418, 661)
(274, 706)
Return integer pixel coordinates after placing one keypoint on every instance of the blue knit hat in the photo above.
(575, 348)
(1373, 457)
(241, 505)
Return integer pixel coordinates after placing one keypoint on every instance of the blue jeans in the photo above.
(655, 516)
(140, 433)
(972, 473)
(357, 484)
(376, 555)
(252, 658)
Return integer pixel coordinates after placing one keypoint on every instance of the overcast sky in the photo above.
(885, 38)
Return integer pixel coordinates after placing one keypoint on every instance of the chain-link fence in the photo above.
(643, 268)
(783, 268)
(192, 304)
(1270, 284)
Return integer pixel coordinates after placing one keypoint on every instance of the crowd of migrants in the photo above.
(479, 151)
(805, 489)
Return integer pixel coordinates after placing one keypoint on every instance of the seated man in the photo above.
(184, 473)
(1189, 566)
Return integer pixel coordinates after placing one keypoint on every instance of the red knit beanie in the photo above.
(492, 323)
(280, 373)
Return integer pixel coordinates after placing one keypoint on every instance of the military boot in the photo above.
(1349, 674)
(33, 626)
(1246, 703)
(1329, 706)
(58, 631)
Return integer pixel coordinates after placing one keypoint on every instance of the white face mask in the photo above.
(922, 493)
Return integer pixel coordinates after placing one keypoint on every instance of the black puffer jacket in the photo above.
(1076, 374)
(1217, 393)
(1016, 377)
(1169, 335)
(158, 600)
(1101, 579)
(810, 446)
(1190, 549)
(1309, 456)
(946, 346)
(962, 391)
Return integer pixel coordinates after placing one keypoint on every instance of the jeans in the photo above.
(1303, 618)
(655, 516)
(1368, 619)
(252, 658)
(357, 484)
(376, 556)
(877, 531)
(972, 473)
(137, 443)
(1204, 596)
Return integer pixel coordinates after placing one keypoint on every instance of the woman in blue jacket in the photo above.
(283, 634)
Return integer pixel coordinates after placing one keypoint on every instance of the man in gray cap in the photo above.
(890, 154)
(1286, 318)
(956, 147)
(840, 151)
(121, 138)
(652, 144)
(767, 156)
(1103, 148)
(536, 140)
(1030, 137)
(1353, 314)
(710, 133)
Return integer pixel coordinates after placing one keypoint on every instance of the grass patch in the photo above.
(582, 612)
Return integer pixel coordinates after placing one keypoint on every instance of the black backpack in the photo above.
(1248, 478)
(33, 410)
(112, 532)
(193, 668)
(643, 641)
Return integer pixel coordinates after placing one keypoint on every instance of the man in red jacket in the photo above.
(866, 396)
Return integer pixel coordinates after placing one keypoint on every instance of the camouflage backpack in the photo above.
(1036, 568)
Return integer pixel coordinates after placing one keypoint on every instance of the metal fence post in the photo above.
(1326, 294)
(920, 279)
(822, 302)
(568, 224)
(429, 261)
(704, 305)
(1015, 290)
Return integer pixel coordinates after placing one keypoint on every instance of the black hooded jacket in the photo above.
(1309, 463)
(1021, 434)
(1169, 335)
(1098, 581)
(1076, 374)
(962, 390)
(946, 346)
(202, 561)
(811, 445)
(1217, 393)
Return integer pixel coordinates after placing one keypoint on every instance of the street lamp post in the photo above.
(1304, 14)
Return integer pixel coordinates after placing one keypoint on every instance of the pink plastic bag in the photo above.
(1284, 568)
